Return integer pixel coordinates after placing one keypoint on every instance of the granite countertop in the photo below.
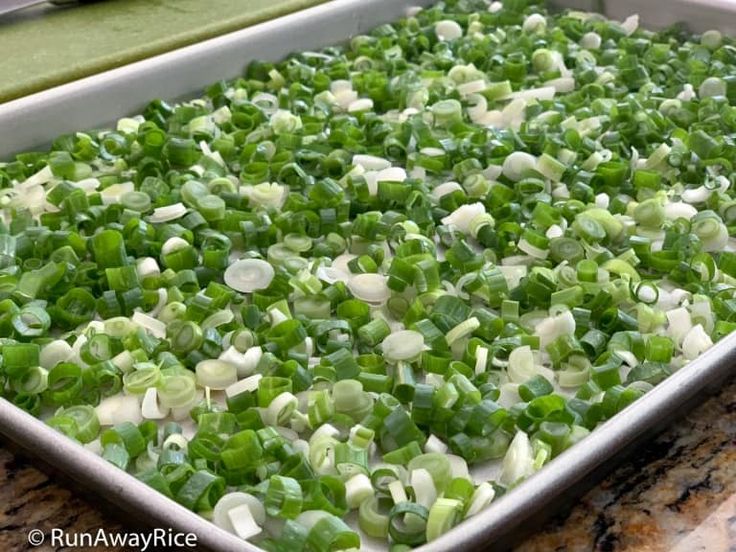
(677, 494)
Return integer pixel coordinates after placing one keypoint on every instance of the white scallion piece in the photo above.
(425, 492)
(518, 463)
(397, 492)
(230, 506)
(150, 324)
(448, 30)
(464, 215)
(517, 164)
(357, 489)
(696, 342)
(55, 352)
(369, 287)
(248, 275)
(403, 345)
(481, 498)
(521, 364)
(150, 408)
(247, 384)
(168, 213)
(371, 162)
(433, 444)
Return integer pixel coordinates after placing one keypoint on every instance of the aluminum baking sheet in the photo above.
(97, 101)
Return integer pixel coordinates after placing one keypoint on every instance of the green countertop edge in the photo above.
(85, 68)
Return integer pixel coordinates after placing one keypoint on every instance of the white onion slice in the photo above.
(147, 266)
(361, 104)
(232, 356)
(173, 244)
(472, 87)
(630, 24)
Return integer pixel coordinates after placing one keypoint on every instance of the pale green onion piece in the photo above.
(462, 330)
(215, 374)
(357, 489)
(281, 409)
(443, 515)
(712, 86)
(397, 492)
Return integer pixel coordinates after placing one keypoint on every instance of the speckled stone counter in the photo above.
(677, 494)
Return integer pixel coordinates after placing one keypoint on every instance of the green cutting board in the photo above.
(47, 47)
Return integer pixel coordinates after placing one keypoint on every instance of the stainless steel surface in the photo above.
(9, 6)
(14, 5)
(33, 121)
